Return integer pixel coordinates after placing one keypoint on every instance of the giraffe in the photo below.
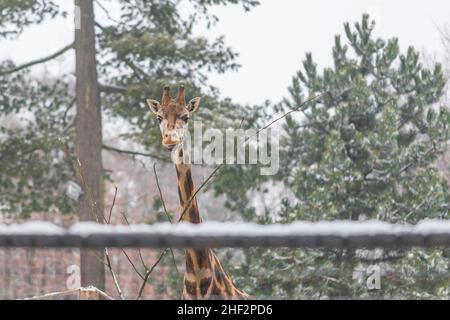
(204, 277)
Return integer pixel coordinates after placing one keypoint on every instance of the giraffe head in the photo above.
(173, 116)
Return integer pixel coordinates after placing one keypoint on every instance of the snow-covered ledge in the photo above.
(331, 234)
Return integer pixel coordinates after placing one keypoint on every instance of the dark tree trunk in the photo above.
(88, 141)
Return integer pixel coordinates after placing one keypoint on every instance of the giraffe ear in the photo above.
(193, 105)
(154, 105)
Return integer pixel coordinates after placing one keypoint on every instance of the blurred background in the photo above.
(374, 147)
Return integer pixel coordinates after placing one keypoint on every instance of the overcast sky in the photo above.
(272, 39)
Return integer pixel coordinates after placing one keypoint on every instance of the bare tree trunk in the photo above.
(88, 141)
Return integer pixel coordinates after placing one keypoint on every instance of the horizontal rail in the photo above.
(338, 234)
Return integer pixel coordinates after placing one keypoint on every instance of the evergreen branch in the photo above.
(425, 201)
(38, 61)
(415, 161)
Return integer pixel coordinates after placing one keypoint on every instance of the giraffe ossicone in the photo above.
(205, 277)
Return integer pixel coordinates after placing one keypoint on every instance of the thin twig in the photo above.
(125, 217)
(113, 275)
(167, 215)
(142, 259)
(132, 264)
(147, 274)
(98, 258)
(123, 250)
(112, 206)
(134, 153)
(160, 194)
(291, 111)
(101, 6)
(71, 104)
(139, 250)
(198, 190)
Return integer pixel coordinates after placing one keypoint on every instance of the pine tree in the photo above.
(365, 149)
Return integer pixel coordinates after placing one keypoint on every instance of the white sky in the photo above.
(272, 39)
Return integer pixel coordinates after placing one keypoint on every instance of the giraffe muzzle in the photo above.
(170, 146)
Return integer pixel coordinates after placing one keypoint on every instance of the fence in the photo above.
(336, 234)
(342, 234)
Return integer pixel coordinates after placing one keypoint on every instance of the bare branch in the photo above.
(160, 194)
(134, 153)
(101, 6)
(38, 61)
(108, 221)
(132, 264)
(113, 275)
(139, 250)
(291, 111)
(148, 273)
(112, 206)
(71, 104)
(198, 190)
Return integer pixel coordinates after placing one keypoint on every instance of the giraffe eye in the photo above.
(159, 119)
(185, 118)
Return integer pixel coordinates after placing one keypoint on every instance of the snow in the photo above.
(31, 227)
(320, 228)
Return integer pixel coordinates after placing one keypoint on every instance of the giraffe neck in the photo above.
(186, 189)
(204, 278)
